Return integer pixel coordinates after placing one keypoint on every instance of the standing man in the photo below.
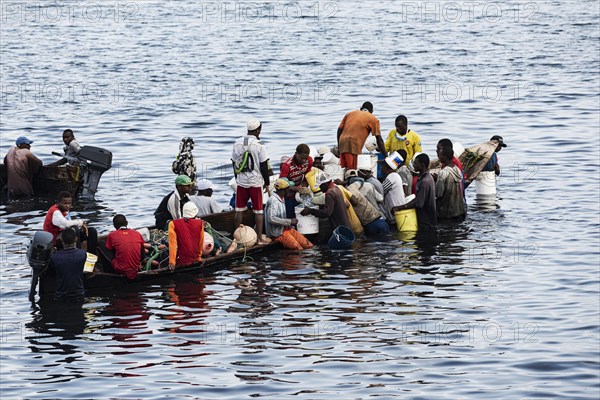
(68, 264)
(424, 200)
(251, 169)
(352, 133)
(21, 165)
(448, 188)
(402, 138)
(171, 206)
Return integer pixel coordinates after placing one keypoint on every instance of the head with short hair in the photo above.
(443, 143)
(65, 201)
(68, 237)
(325, 186)
(401, 123)
(421, 162)
(302, 154)
(402, 153)
(68, 136)
(368, 106)
(119, 221)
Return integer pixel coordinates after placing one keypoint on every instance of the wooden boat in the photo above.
(100, 281)
(79, 180)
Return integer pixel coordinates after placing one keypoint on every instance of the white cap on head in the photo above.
(205, 184)
(190, 210)
(252, 124)
(323, 150)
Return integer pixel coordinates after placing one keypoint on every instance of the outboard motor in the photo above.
(38, 254)
(93, 161)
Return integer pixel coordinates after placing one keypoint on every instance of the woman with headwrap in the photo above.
(184, 162)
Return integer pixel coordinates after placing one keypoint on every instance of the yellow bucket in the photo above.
(90, 262)
(406, 220)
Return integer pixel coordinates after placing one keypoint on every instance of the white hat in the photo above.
(323, 150)
(371, 143)
(190, 210)
(205, 184)
(253, 124)
(329, 158)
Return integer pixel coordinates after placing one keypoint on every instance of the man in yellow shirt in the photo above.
(403, 138)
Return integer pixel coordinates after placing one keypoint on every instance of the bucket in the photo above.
(394, 160)
(485, 183)
(90, 262)
(342, 238)
(307, 225)
(406, 220)
(334, 171)
(368, 162)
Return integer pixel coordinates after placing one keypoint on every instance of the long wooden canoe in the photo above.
(97, 281)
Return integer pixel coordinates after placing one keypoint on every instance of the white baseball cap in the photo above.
(253, 124)
(205, 184)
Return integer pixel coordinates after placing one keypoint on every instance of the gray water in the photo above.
(505, 306)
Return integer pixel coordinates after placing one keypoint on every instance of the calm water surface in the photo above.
(505, 306)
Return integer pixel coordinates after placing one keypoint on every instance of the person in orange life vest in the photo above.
(277, 225)
(186, 237)
(353, 132)
(58, 218)
(128, 247)
(294, 169)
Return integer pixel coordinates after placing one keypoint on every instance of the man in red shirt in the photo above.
(186, 237)
(128, 246)
(294, 169)
(353, 132)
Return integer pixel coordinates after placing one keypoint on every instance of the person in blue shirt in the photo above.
(68, 264)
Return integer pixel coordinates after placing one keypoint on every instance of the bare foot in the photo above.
(232, 247)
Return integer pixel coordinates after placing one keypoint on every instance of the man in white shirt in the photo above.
(393, 191)
(251, 169)
(204, 201)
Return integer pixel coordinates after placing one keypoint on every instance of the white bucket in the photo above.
(368, 162)
(145, 232)
(307, 225)
(395, 161)
(90, 262)
(485, 183)
(334, 171)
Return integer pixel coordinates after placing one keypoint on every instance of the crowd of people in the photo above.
(327, 183)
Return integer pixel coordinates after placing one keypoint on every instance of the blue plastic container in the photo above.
(380, 159)
(342, 238)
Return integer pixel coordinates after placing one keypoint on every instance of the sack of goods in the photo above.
(245, 236)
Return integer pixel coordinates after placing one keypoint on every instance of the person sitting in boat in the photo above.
(184, 163)
(392, 188)
(367, 213)
(171, 206)
(402, 138)
(68, 263)
(278, 226)
(424, 200)
(450, 202)
(58, 218)
(186, 237)
(367, 175)
(492, 164)
(21, 165)
(365, 188)
(127, 246)
(334, 207)
(71, 149)
(204, 201)
(295, 169)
